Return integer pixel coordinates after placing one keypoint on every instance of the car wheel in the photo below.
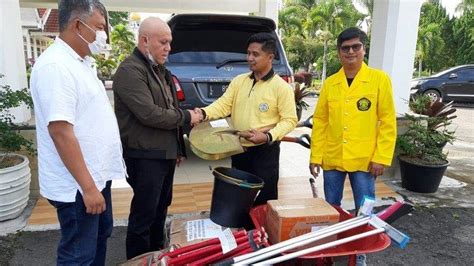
(433, 94)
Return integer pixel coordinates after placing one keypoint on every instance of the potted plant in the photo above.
(300, 93)
(420, 149)
(106, 68)
(15, 174)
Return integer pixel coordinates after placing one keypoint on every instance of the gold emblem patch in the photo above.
(363, 104)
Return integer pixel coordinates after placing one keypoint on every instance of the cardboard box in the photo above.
(179, 230)
(288, 218)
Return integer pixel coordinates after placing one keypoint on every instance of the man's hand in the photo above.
(245, 134)
(314, 169)
(257, 137)
(376, 169)
(94, 201)
(179, 160)
(196, 116)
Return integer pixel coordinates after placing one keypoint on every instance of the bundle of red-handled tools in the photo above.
(210, 251)
(253, 247)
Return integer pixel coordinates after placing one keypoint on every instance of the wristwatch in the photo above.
(269, 137)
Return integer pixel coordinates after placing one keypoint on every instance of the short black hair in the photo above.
(71, 9)
(267, 40)
(351, 33)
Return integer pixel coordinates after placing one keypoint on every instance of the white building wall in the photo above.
(269, 9)
(12, 58)
(393, 44)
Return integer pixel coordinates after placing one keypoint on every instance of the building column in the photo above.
(27, 36)
(393, 44)
(12, 56)
(269, 9)
(35, 47)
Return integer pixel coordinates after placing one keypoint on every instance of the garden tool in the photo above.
(215, 143)
(302, 240)
(209, 145)
(211, 251)
(394, 212)
(304, 140)
(308, 122)
(379, 226)
(314, 190)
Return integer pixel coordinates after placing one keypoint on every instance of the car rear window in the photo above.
(211, 44)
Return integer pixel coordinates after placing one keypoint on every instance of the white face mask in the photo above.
(100, 43)
(148, 54)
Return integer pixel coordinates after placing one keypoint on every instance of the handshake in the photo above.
(196, 116)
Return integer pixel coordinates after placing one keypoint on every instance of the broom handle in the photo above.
(221, 255)
(199, 245)
(203, 251)
(321, 247)
(300, 238)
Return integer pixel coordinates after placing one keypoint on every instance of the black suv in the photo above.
(454, 84)
(209, 50)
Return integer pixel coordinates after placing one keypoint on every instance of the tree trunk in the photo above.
(323, 75)
(419, 67)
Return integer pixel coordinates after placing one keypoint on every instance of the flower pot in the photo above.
(421, 178)
(14, 189)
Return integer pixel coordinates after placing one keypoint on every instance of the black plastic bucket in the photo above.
(233, 196)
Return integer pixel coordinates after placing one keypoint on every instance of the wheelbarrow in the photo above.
(365, 245)
(355, 235)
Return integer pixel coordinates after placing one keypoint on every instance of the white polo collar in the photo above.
(88, 59)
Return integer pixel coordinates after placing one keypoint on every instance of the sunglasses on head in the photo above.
(355, 47)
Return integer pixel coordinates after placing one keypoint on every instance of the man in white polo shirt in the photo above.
(79, 149)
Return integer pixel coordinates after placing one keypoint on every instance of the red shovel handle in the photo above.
(202, 252)
(199, 245)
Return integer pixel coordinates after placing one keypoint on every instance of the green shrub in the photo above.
(10, 139)
(428, 132)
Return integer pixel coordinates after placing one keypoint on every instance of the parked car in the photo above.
(454, 84)
(209, 50)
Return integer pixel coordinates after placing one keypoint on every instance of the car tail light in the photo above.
(289, 79)
(179, 89)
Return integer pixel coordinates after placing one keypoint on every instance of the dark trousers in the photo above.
(264, 162)
(83, 236)
(152, 184)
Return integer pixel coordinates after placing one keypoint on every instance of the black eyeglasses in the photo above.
(355, 47)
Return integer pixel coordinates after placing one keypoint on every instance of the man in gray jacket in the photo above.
(150, 124)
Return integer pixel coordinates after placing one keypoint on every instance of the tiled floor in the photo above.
(197, 197)
(193, 184)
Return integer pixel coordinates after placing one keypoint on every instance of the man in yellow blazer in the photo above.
(354, 128)
(262, 104)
